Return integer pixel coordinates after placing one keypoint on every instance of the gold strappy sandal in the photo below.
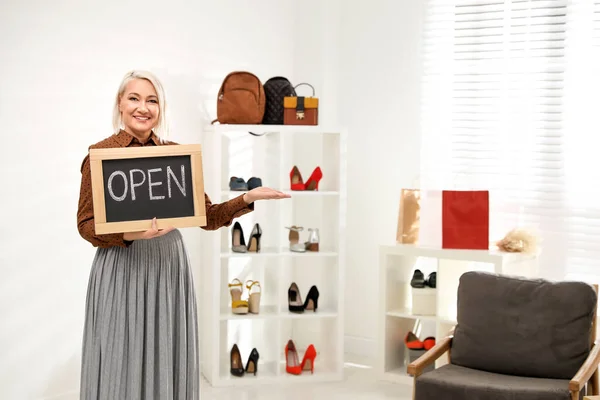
(238, 306)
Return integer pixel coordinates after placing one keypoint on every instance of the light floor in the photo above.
(359, 384)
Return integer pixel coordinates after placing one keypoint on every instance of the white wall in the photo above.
(61, 63)
(60, 66)
(379, 102)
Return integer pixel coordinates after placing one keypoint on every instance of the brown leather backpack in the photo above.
(241, 99)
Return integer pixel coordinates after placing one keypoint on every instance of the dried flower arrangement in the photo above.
(519, 240)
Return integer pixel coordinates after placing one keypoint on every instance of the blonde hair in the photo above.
(161, 129)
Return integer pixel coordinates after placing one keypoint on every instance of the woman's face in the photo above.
(139, 107)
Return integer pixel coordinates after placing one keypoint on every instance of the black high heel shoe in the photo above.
(252, 363)
(236, 366)
(312, 299)
(254, 241)
(238, 244)
(295, 303)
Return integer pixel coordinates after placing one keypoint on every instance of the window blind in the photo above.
(508, 105)
(582, 189)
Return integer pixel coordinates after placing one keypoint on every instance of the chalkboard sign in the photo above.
(133, 185)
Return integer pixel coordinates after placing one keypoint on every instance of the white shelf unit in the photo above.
(397, 265)
(230, 150)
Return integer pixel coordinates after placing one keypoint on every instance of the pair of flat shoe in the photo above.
(239, 184)
(414, 343)
(418, 280)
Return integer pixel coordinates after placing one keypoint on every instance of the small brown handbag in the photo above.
(300, 110)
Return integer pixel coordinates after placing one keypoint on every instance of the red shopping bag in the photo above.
(466, 219)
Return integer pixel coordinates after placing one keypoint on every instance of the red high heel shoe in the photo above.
(296, 182)
(313, 181)
(292, 364)
(308, 362)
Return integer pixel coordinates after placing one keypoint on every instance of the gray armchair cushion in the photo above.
(523, 327)
(453, 382)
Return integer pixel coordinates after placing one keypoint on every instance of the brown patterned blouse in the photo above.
(217, 215)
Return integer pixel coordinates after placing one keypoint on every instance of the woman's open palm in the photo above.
(264, 193)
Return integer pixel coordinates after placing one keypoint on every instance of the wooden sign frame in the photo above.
(98, 155)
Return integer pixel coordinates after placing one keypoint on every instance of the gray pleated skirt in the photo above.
(140, 337)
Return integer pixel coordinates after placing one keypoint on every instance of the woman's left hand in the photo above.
(264, 193)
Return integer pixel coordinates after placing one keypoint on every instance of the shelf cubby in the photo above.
(318, 332)
(397, 316)
(248, 334)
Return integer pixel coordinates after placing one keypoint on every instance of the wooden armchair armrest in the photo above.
(416, 367)
(587, 369)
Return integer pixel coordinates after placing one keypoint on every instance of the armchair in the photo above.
(517, 339)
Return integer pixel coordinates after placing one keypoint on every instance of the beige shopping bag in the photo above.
(409, 216)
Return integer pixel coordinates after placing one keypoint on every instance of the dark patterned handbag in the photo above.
(276, 89)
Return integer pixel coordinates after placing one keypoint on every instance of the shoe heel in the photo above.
(252, 363)
(312, 244)
(312, 247)
(254, 242)
(312, 304)
(254, 303)
(308, 362)
(312, 299)
(313, 181)
(253, 298)
(309, 366)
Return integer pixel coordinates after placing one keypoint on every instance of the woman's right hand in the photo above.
(151, 233)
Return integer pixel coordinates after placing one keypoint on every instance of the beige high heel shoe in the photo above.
(312, 244)
(294, 238)
(254, 298)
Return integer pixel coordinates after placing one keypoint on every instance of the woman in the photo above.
(140, 334)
